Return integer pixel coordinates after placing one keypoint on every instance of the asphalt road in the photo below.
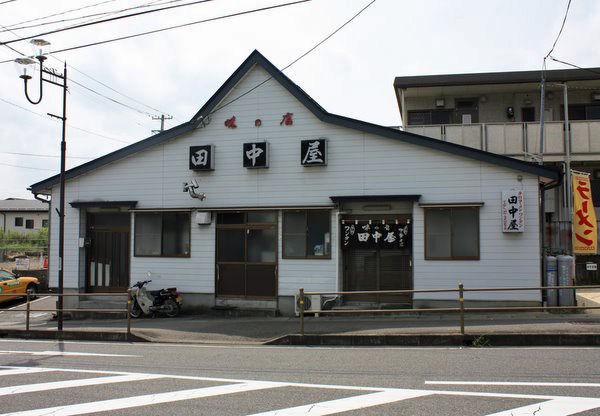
(123, 379)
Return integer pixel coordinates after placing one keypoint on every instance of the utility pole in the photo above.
(162, 119)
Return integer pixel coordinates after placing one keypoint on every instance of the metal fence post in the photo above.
(128, 313)
(461, 304)
(27, 315)
(301, 304)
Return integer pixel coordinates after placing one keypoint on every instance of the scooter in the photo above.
(146, 302)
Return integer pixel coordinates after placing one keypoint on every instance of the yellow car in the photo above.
(17, 286)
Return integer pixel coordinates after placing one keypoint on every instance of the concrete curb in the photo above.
(71, 335)
(441, 340)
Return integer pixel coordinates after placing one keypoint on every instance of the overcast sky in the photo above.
(175, 72)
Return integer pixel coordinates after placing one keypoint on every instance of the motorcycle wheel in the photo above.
(171, 308)
(135, 311)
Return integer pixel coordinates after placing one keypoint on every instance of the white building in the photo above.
(23, 215)
(289, 187)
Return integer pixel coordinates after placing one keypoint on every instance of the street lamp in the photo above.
(54, 78)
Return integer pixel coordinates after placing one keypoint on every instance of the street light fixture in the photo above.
(53, 77)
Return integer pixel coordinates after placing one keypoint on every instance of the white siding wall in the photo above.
(359, 164)
(37, 218)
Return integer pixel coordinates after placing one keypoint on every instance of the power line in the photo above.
(212, 19)
(26, 167)
(39, 155)
(561, 29)
(297, 59)
(16, 27)
(61, 13)
(70, 125)
(112, 19)
(575, 66)
(7, 1)
(94, 91)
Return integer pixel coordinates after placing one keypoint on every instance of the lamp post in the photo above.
(52, 77)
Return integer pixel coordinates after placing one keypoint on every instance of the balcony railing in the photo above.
(518, 139)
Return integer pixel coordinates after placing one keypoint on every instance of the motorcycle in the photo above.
(146, 302)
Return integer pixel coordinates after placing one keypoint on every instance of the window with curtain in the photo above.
(162, 234)
(307, 234)
(452, 233)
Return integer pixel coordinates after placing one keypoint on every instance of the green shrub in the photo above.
(35, 241)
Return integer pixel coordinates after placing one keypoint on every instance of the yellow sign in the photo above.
(585, 227)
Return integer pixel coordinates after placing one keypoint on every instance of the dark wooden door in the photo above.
(246, 255)
(107, 253)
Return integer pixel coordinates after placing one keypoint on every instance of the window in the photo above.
(162, 234)
(425, 117)
(18, 221)
(44, 223)
(307, 234)
(452, 233)
(29, 224)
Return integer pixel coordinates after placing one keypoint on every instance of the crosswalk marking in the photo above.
(65, 354)
(511, 383)
(555, 407)
(54, 385)
(348, 403)
(137, 401)
(22, 370)
(545, 405)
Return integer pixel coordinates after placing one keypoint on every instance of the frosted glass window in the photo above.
(452, 233)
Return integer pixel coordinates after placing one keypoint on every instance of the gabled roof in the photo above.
(14, 204)
(256, 58)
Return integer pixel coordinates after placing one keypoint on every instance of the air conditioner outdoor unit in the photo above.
(312, 304)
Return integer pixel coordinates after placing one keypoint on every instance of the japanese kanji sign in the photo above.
(256, 155)
(585, 228)
(201, 157)
(512, 212)
(313, 152)
(375, 235)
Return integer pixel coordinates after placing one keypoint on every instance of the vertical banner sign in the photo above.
(512, 212)
(585, 228)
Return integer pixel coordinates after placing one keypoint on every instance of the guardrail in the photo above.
(461, 309)
(29, 298)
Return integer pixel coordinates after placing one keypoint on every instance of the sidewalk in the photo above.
(425, 329)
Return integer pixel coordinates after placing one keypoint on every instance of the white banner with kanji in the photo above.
(513, 215)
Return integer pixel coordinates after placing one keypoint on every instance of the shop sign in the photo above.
(585, 228)
(313, 152)
(256, 155)
(375, 235)
(202, 157)
(512, 212)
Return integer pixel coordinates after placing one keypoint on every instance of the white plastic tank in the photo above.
(551, 279)
(566, 277)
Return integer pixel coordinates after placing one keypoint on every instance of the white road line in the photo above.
(557, 407)
(24, 304)
(54, 385)
(511, 383)
(65, 354)
(348, 404)
(137, 401)
(10, 371)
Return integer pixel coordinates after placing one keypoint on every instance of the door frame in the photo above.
(248, 226)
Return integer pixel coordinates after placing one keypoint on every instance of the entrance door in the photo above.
(107, 253)
(379, 265)
(247, 254)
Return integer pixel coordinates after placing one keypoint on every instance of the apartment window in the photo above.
(162, 234)
(29, 224)
(44, 223)
(452, 233)
(307, 234)
(18, 221)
